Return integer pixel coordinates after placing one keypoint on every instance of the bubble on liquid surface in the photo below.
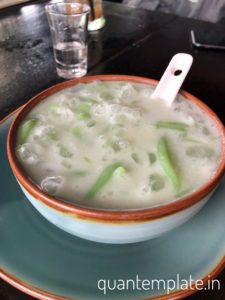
(100, 109)
(51, 185)
(132, 114)
(145, 93)
(120, 144)
(127, 93)
(29, 153)
(61, 110)
(43, 133)
(115, 108)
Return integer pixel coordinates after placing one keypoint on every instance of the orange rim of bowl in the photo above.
(112, 215)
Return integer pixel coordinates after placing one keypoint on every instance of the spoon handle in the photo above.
(173, 77)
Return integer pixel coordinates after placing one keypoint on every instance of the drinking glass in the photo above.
(68, 25)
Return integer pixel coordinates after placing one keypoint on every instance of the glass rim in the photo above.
(49, 8)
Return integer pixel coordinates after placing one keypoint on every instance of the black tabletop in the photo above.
(134, 42)
(26, 58)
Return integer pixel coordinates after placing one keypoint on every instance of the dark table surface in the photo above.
(134, 42)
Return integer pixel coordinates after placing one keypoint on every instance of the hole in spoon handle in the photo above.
(177, 72)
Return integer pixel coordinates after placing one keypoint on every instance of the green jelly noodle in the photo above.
(168, 163)
(104, 177)
(25, 129)
(107, 145)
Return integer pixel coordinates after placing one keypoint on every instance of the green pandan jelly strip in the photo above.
(171, 125)
(167, 163)
(76, 132)
(120, 171)
(25, 130)
(103, 179)
(84, 111)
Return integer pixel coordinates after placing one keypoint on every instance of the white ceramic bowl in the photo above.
(110, 226)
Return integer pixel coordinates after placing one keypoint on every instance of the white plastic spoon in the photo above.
(172, 79)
